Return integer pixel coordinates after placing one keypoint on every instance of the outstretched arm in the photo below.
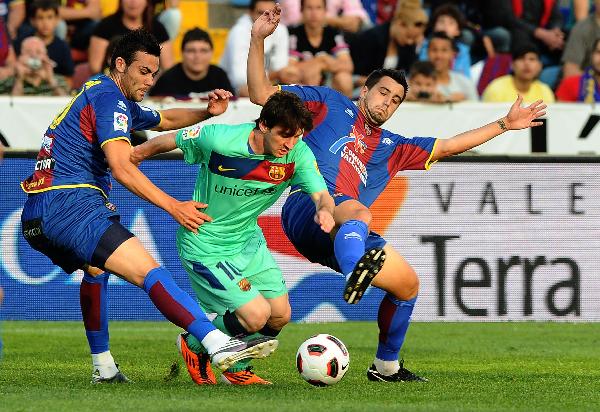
(160, 144)
(218, 101)
(259, 87)
(517, 118)
(185, 213)
(324, 205)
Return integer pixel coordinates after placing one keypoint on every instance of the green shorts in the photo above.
(230, 283)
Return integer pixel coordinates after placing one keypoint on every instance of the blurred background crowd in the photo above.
(452, 50)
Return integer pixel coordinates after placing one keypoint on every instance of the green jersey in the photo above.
(238, 185)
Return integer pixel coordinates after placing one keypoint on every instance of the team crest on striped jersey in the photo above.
(277, 172)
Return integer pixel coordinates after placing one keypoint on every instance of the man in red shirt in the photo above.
(583, 87)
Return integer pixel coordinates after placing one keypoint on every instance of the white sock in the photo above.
(214, 340)
(105, 364)
(386, 367)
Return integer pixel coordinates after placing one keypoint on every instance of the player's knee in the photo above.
(280, 319)
(92, 270)
(364, 215)
(256, 318)
(408, 287)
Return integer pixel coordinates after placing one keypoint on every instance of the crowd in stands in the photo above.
(452, 50)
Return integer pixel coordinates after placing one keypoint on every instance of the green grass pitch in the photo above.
(471, 367)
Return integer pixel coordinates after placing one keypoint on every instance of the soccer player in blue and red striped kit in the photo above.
(68, 218)
(358, 159)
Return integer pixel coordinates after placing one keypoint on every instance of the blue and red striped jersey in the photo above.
(355, 158)
(71, 155)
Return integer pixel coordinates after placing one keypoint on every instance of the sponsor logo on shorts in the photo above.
(120, 122)
(277, 172)
(244, 285)
(30, 233)
(46, 163)
(110, 206)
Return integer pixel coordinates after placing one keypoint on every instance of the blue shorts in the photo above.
(297, 218)
(73, 227)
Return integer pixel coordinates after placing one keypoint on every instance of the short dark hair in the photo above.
(135, 41)
(43, 5)
(443, 36)
(303, 1)
(397, 75)
(196, 34)
(521, 51)
(448, 9)
(252, 4)
(285, 109)
(423, 68)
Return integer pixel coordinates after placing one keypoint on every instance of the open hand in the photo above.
(188, 215)
(325, 220)
(523, 117)
(266, 24)
(218, 100)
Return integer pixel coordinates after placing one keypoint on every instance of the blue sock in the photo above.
(393, 320)
(93, 298)
(176, 305)
(349, 244)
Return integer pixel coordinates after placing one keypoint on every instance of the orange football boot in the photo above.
(245, 377)
(198, 365)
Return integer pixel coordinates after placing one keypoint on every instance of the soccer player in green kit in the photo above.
(244, 169)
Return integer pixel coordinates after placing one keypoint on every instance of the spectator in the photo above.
(13, 13)
(580, 46)
(194, 76)
(578, 10)
(168, 13)
(380, 11)
(81, 18)
(34, 74)
(319, 50)
(391, 45)
(583, 87)
(346, 15)
(7, 54)
(44, 19)
(235, 54)
(423, 84)
(131, 15)
(454, 86)
(526, 67)
(448, 19)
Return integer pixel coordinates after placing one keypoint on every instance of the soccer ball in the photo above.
(322, 360)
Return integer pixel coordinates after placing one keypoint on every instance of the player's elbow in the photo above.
(120, 172)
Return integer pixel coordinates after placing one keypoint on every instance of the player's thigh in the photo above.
(129, 260)
(73, 227)
(351, 209)
(220, 285)
(397, 276)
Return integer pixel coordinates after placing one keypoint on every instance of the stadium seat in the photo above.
(82, 73)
